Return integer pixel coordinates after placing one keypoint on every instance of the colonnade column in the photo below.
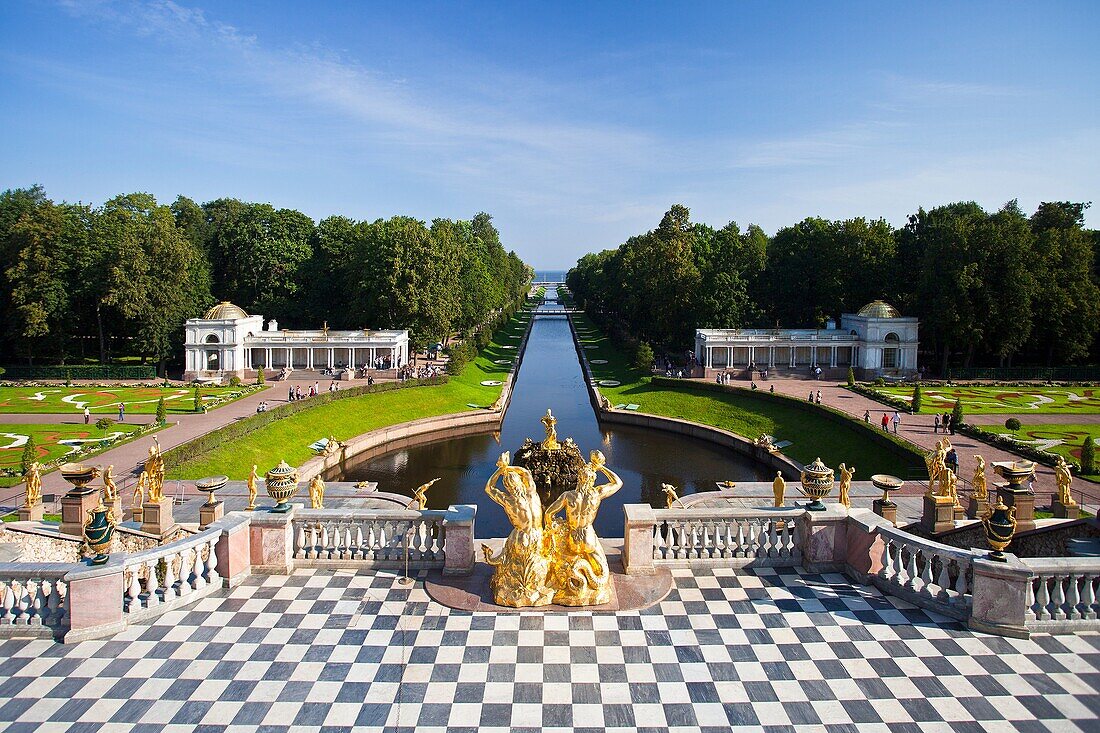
(832, 361)
(289, 358)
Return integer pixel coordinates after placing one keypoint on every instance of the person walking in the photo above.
(87, 416)
(946, 422)
(867, 416)
(819, 397)
(897, 421)
(936, 424)
(122, 412)
(885, 423)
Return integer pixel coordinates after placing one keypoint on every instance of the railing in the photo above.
(1062, 594)
(376, 538)
(926, 573)
(163, 578)
(737, 537)
(34, 596)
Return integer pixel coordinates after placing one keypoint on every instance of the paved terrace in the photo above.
(335, 650)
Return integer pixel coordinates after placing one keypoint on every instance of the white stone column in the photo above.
(709, 362)
(289, 358)
(752, 354)
(832, 357)
(771, 356)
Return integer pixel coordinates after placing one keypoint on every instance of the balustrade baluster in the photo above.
(324, 548)
(152, 584)
(170, 590)
(740, 551)
(199, 567)
(212, 562)
(1043, 598)
(185, 572)
(911, 569)
(7, 602)
(349, 549)
(1058, 599)
(359, 541)
(133, 590)
(960, 581)
(55, 613)
(300, 543)
(1030, 612)
(773, 540)
(1088, 597)
(943, 578)
(38, 600)
(885, 560)
(1073, 598)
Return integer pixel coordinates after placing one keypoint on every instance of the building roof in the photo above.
(879, 309)
(225, 311)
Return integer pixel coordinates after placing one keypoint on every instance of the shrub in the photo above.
(1088, 456)
(198, 399)
(851, 377)
(260, 376)
(643, 357)
(957, 417)
(82, 371)
(162, 411)
(69, 378)
(104, 424)
(30, 454)
(1012, 424)
(880, 382)
(916, 400)
(234, 381)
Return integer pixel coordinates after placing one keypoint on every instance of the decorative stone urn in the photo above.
(79, 475)
(1000, 526)
(883, 507)
(98, 531)
(282, 483)
(209, 485)
(817, 483)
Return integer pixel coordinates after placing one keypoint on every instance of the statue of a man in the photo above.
(846, 475)
(551, 442)
(936, 462)
(1063, 477)
(981, 489)
(110, 491)
(316, 493)
(949, 485)
(420, 496)
(138, 500)
(779, 488)
(253, 479)
(33, 479)
(671, 497)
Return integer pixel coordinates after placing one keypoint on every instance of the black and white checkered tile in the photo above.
(339, 651)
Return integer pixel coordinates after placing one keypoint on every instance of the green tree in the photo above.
(104, 424)
(1013, 424)
(917, 397)
(260, 378)
(30, 454)
(643, 357)
(162, 411)
(957, 417)
(851, 377)
(197, 399)
(1088, 456)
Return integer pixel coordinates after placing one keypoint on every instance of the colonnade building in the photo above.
(876, 341)
(228, 342)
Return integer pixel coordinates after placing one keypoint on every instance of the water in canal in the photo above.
(551, 376)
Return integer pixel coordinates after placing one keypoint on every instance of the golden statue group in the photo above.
(549, 558)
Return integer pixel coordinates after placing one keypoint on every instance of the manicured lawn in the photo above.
(811, 434)
(289, 439)
(993, 400)
(1065, 440)
(105, 400)
(51, 441)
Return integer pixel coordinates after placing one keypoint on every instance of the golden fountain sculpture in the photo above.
(549, 558)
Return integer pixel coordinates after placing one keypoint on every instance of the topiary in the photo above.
(162, 411)
(1012, 424)
(1088, 456)
(30, 454)
(234, 381)
(260, 376)
(198, 400)
(851, 377)
(104, 424)
(957, 417)
(915, 404)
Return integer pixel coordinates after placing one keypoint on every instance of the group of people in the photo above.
(887, 420)
(295, 392)
(423, 372)
(814, 399)
(943, 421)
(262, 407)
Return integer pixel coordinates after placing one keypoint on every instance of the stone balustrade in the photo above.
(926, 573)
(166, 577)
(34, 598)
(736, 537)
(381, 538)
(1062, 594)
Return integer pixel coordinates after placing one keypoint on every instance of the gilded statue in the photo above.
(253, 479)
(154, 468)
(498, 403)
(949, 485)
(936, 462)
(138, 500)
(110, 491)
(779, 488)
(980, 488)
(671, 497)
(846, 475)
(1063, 477)
(33, 479)
(420, 496)
(316, 493)
(521, 568)
(549, 421)
(579, 572)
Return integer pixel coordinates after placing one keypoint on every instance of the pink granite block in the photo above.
(95, 601)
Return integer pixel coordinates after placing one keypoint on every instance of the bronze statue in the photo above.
(1063, 477)
(521, 567)
(420, 496)
(671, 497)
(936, 462)
(33, 478)
(253, 479)
(316, 493)
(110, 491)
(549, 421)
(579, 572)
(138, 500)
(846, 475)
(981, 490)
(779, 488)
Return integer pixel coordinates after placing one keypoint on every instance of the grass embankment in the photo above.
(105, 400)
(834, 437)
(1002, 400)
(289, 439)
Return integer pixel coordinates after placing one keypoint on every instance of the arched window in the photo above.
(891, 352)
(212, 339)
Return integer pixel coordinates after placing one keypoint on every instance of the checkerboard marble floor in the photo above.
(339, 651)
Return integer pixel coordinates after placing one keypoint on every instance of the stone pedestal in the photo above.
(137, 514)
(1057, 508)
(270, 544)
(1000, 597)
(939, 514)
(638, 539)
(32, 514)
(960, 513)
(823, 539)
(975, 508)
(233, 551)
(210, 513)
(1024, 501)
(459, 548)
(74, 511)
(157, 517)
(888, 511)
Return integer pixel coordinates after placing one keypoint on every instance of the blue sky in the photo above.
(574, 125)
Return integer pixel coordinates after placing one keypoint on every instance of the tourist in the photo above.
(121, 412)
(754, 385)
(936, 423)
(885, 423)
(811, 396)
(897, 421)
(819, 397)
(771, 389)
(866, 416)
(290, 394)
(370, 379)
(946, 422)
(951, 460)
(718, 379)
(87, 416)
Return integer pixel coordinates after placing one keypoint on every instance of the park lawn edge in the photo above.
(147, 408)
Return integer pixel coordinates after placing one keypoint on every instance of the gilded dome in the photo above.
(225, 311)
(879, 309)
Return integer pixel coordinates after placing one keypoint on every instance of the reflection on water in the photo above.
(551, 376)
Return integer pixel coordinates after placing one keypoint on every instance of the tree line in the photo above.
(989, 287)
(120, 279)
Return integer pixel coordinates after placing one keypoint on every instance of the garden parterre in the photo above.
(1003, 399)
(139, 400)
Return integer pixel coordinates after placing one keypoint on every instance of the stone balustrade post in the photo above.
(638, 539)
(95, 600)
(863, 555)
(233, 550)
(823, 539)
(458, 548)
(271, 541)
(1000, 596)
